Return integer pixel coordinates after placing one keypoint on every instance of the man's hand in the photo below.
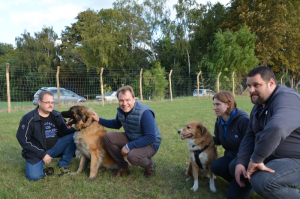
(240, 170)
(95, 116)
(47, 159)
(253, 167)
(124, 150)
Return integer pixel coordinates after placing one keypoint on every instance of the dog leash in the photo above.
(197, 153)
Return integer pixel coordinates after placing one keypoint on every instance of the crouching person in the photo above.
(43, 135)
(141, 139)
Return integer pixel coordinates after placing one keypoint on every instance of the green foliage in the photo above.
(231, 52)
(160, 82)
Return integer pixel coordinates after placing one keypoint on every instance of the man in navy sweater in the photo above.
(141, 139)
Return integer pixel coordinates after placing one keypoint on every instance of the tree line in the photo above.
(209, 37)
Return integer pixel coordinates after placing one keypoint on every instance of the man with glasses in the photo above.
(43, 135)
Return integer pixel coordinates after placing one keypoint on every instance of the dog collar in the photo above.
(87, 125)
(197, 153)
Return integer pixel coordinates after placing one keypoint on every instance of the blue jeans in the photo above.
(281, 184)
(220, 167)
(64, 146)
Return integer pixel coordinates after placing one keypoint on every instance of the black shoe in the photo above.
(64, 171)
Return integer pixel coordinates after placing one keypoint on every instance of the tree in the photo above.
(276, 24)
(232, 52)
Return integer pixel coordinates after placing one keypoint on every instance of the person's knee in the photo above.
(260, 182)
(34, 176)
(215, 167)
(132, 159)
(232, 167)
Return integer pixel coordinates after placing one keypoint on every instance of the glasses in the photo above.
(52, 103)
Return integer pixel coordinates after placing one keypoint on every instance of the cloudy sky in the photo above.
(31, 15)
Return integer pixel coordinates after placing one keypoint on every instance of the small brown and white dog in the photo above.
(89, 140)
(202, 152)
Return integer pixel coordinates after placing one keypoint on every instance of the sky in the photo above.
(16, 16)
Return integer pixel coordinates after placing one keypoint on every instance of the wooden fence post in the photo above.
(101, 83)
(8, 87)
(233, 84)
(57, 85)
(218, 82)
(198, 84)
(170, 82)
(141, 86)
(281, 80)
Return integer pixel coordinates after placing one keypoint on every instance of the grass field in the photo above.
(171, 160)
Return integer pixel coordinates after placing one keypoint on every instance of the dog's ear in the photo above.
(202, 129)
(80, 116)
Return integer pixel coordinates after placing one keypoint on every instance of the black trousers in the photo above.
(224, 167)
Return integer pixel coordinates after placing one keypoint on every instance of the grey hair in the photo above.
(43, 93)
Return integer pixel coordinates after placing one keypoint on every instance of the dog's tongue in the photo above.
(184, 137)
(69, 121)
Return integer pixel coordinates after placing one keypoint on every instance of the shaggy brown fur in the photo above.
(89, 140)
(198, 137)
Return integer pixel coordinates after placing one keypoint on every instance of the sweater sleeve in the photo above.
(113, 124)
(147, 124)
(284, 120)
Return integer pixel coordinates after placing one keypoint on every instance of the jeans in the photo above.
(65, 146)
(281, 184)
(220, 167)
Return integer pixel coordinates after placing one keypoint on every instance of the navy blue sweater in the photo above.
(147, 124)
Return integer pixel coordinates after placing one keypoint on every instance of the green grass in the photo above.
(171, 160)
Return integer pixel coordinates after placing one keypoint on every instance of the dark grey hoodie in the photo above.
(273, 131)
(235, 132)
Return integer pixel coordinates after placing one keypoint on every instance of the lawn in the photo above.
(171, 160)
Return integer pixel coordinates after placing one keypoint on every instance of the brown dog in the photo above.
(202, 152)
(89, 140)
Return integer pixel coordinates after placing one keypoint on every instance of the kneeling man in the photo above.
(43, 135)
(141, 139)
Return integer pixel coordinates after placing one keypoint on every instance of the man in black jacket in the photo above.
(43, 135)
(270, 149)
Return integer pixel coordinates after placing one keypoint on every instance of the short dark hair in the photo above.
(226, 97)
(43, 93)
(124, 89)
(265, 72)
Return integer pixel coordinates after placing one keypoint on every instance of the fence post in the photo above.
(198, 85)
(101, 83)
(233, 84)
(141, 87)
(8, 87)
(170, 82)
(218, 82)
(281, 80)
(57, 84)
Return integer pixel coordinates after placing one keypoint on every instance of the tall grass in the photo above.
(171, 160)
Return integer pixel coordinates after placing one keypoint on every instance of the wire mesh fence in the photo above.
(23, 86)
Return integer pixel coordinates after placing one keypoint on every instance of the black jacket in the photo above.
(31, 135)
(273, 131)
(235, 132)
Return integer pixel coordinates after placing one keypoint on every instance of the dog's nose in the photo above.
(179, 131)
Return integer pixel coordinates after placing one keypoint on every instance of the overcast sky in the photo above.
(32, 15)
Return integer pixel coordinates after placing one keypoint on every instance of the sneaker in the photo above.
(64, 171)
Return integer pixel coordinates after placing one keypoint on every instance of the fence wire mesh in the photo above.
(23, 86)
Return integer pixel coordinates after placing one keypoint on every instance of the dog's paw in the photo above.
(194, 188)
(213, 188)
(188, 179)
(94, 178)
